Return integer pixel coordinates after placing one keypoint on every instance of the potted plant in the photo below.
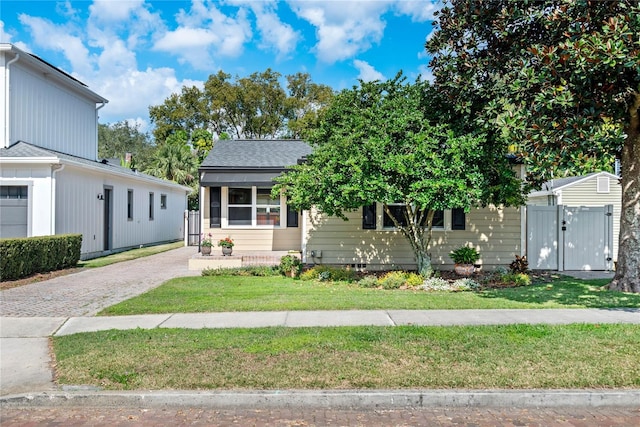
(227, 245)
(290, 265)
(464, 258)
(205, 244)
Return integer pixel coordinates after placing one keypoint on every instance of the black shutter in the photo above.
(457, 219)
(215, 207)
(292, 217)
(369, 217)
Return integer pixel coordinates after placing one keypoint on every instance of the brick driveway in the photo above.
(87, 292)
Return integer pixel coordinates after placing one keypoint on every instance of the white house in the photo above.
(51, 180)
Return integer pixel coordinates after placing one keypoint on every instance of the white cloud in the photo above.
(343, 29)
(426, 74)
(275, 34)
(367, 72)
(204, 32)
(418, 10)
(4, 37)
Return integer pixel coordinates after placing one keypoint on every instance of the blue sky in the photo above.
(136, 53)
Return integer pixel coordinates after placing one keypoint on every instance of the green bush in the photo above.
(256, 270)
(23, 257)
(329, 273)
(516, 279)
(369, 281)
(290, 265)
(393, 280)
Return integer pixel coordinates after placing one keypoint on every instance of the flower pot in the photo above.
(464, 269)
(206, 250)
(226, 251)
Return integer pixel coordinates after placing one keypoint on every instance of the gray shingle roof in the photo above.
(554, 184)
(278, 153)
(23, 150)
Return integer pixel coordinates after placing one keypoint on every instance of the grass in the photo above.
(475, 357)
(129, 255)
(232, 293)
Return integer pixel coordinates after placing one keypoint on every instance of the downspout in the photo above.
(97, 127)
(7, 103)
(54, 170)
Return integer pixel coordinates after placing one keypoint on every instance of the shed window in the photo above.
(150, 206)
(130, 205)
(14, 192)
(163, 201)
(603, 184)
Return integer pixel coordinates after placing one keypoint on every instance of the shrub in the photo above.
(257, 270)
(369, 281)
(326, 273)
(517, 279)
(520, 265)
(436, 284)
(413, 280)
(465, 255)
(393, 280)
(290, 265)
(22, 257)
(466, 284)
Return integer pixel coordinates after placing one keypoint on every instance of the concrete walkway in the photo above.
(65, 305)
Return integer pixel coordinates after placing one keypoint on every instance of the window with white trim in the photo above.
(239, 206)
(267, 208)
(252, 207)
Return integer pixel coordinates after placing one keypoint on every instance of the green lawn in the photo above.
(401, 357)
(235, 293)
(129, 255)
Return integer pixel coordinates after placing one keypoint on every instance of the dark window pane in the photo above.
(239, 216)
(239, 196)
(369, 217)
(292, 217)
(398, 213)
(438, 219)
(215, 207)
(458, 219)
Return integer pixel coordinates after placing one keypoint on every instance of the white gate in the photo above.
(570, 238)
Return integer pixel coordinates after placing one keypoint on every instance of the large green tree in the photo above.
(559, 81)
(378, 143)
(257, 106)
(117, 139)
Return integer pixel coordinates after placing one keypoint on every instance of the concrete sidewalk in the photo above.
(25, 363)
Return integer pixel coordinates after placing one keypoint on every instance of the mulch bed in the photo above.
(38, 277)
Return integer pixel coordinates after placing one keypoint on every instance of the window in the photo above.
(369, 217)
(602, 184)
(240, 206)
(163, 201)
(150, 206)
(215, 207)
(14, 192)
(397, 210)
(292, 217)
(130, 205)
(458, 219)
(267, 209)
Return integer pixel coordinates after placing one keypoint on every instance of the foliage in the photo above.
(254, 270)
(22, 257)
(516, 279)
(440, 284)
(117, 139)
(290, 265)
(465, 255)
(227, 242)
(558, 82)
(377, 143)
(252, 107)
(519, 265)
(392, 280)
(206, 240)
(327, 272)
(368, 281)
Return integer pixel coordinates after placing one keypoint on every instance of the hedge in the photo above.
(22, 257)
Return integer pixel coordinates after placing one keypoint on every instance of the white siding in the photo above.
(585, 194)
(44, 113)
(80, 211)
(38, 179)
(495, 232)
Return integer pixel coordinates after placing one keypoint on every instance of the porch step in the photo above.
(237, 259)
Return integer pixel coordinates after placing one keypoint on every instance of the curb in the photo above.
(347, 399)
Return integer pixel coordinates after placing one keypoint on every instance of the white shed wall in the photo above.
(44, 113)
(80, 211)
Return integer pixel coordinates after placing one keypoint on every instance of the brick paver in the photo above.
(320, 417)
(87, 292)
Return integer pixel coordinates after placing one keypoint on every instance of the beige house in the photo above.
(236, 180)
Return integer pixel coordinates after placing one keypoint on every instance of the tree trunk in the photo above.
(627, 277)
(424, 264)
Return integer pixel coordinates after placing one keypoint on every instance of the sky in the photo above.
(136, 53)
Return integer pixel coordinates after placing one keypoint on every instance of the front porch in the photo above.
(237, 259)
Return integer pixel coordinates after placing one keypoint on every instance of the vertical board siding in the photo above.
(585, 194)
(80, 211)
(495, 232)
(585, 238)
(46, 114)
(542, 237)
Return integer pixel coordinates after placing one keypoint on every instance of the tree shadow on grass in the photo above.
(568, 292)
